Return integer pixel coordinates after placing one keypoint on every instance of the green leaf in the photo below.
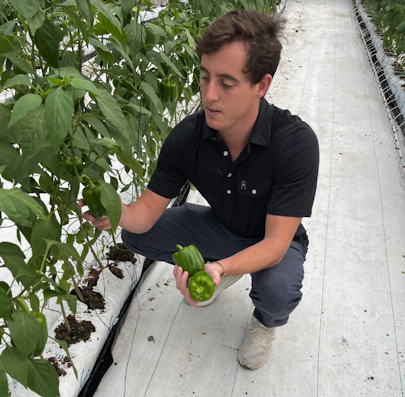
(16, 364)
(19, 79)
(6, 43)
(14, 260)
(36, 21)
(112, 203)
(97, 124)
(25, 332)
(46, 39)
(5, 309)
(103, 9)
(106, 55)
(117, 45)
(4, 392)
(151, 94)
(26, 8)
(138, 107)
(156, 29)
(20, 63)
(134, 37)
(112, 111)
(86, 11)
(191, 40)
(19, 206)
(80, 141)
(43, 378)
(59, 110)
(34, 302)
(127, 5)
(68, 251)
(47, 228)
(98, 44)
(401, 28)
(82, 84)
(23, 106)
(33, 132)
(171, 64)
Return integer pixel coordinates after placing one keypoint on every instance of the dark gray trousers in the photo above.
(275, 291)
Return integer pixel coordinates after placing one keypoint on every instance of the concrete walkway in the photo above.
(347, 337)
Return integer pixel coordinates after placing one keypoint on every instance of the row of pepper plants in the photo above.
(76, 123)
(389, 17)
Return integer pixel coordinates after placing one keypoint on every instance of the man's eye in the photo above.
(226, 85)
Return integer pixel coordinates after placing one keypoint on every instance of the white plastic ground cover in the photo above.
(84, 354)
(347, 336)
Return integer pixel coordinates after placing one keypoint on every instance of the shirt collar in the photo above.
(261, 132)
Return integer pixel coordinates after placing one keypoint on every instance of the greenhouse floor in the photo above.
(347, 336)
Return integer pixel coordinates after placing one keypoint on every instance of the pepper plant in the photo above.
(75, 124)
(389, 17)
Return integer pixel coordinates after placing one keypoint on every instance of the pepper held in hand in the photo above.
(92, 196)
(189, 259)
(201, 286)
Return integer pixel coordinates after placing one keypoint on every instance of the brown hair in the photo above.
(260, 32)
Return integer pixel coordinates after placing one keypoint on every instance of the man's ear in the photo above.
(264, 85)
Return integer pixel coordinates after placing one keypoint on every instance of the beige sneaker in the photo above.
(226, 281)
(255, 349)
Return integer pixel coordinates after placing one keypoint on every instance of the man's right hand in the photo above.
(102, 223)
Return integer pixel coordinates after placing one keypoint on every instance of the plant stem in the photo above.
(67, 325)
(95, 257)
(78, 292)
(113, 237)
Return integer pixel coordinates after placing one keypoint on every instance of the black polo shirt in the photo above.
(276, 173)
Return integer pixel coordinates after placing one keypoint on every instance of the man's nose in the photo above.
(212, 92)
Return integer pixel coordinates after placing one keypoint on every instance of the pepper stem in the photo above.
(200, 289)
(179, 247)
(90, 182)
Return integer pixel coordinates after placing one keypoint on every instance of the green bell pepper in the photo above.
(201, 286)
(69, 165)
(169, 91)
(189, 259)
(92, 196)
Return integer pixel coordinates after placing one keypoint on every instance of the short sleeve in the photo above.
(296, 174)
(169, 175)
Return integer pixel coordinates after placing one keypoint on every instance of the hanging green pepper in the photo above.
(169, 91)
(201, 286)
(69, 165)
(92, 196)
(189, 259)
(39, 348)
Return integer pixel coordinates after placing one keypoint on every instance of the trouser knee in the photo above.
(276, 291)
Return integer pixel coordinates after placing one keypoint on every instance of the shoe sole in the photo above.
(225, 283)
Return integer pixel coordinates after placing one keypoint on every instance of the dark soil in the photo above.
(59, 364)
(93, 300)
(55, 363)
(92, 278)
(122, 254)
(116, 271)
(80, 331)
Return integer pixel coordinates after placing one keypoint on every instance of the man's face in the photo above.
(230, 102)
